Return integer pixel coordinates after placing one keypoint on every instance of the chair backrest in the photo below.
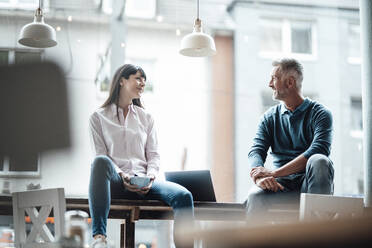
(317, 206)
(38, 205)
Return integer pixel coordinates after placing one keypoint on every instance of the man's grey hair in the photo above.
(291, 67)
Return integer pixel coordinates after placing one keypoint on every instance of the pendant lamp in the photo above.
(38, 34)
(197, 44)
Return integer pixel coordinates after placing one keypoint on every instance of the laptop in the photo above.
(198, 182)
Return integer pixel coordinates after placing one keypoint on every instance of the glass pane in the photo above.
(20, 2)
(2, 162)
(27, 57)
(24, 163)
(270, 37)
(301, 38)
(356, 114)
(354, 40)
(140, 8)
(4, 57)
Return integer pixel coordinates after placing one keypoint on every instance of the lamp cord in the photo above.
(39, 4)
(197, 17)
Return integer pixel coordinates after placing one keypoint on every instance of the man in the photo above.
(299, 133)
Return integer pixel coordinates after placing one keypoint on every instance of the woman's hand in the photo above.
(126, 182)
(146, 189)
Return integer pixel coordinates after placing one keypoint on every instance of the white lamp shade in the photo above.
(197, 44)
(38, 34)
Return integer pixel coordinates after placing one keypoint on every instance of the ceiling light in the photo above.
(38, 34)
(197, 44)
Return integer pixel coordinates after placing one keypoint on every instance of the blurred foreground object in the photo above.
(343, 233)
(76, 227)
(38, 204)
(317, 206)
(34, 113)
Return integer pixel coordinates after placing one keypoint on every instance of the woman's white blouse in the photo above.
(131, 143)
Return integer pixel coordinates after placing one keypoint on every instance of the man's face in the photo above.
(280, 89)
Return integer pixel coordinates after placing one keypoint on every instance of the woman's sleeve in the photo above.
(98, 142)
(151, 150)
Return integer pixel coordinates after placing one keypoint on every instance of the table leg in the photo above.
(127, 233)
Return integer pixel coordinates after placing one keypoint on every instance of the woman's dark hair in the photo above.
(124, 71)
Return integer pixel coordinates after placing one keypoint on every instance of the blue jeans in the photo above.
(317, 179)
(106, 183)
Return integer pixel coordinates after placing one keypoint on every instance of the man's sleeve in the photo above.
(261, 143)
(322, 140)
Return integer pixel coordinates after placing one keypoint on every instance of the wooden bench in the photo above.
(132, 210)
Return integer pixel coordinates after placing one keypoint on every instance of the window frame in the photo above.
(5, 173)
(17, 4)
(356, 133)
(12, 52)
(286, 50)
(350, 59)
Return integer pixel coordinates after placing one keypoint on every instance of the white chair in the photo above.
(29, 202)
(317, 206)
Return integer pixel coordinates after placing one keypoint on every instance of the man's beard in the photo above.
(279, 95)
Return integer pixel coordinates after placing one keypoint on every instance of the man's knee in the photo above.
(256, 199)
(319, 174)
(320, 166)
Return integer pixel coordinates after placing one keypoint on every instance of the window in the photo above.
(354, 44)
(20, 4)
(282, 37)
(145, 9)
(25, 166)
(19, 56)
(103, 77)
(140, 8)
(4, 57)
(356, 129)
(301, 38)
(271, 37)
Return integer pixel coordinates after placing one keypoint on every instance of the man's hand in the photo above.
(269, 183)
(259, 172)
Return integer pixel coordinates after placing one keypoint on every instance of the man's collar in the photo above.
(301, 108)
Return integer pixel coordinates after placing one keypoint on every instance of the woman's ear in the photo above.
(122, 81)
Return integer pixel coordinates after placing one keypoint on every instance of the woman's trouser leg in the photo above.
(103, 178)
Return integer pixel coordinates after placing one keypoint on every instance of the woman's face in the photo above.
(134, 86)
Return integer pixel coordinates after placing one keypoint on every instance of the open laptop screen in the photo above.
(198, 182)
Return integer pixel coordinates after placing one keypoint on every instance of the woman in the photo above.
(126, 145)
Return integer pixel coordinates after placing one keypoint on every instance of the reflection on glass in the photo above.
(301, 38)
(271, 37)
